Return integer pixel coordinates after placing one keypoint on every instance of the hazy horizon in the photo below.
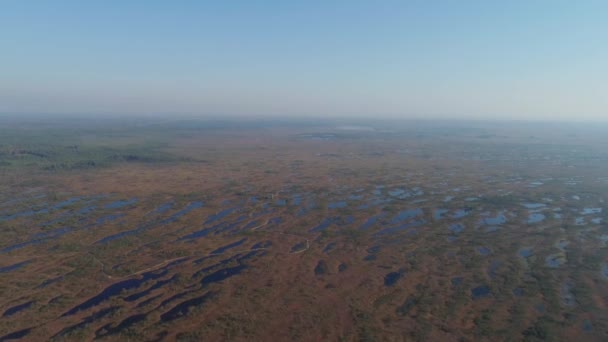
(446, 60)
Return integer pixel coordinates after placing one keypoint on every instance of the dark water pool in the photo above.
(229, 246)
(391, 278)
(481, 291)
(13, 267)
(121, 203)
(183, 308)
(14, 309)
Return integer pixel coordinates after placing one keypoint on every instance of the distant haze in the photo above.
(531, 60)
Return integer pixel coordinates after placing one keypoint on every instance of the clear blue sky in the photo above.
(451, 59)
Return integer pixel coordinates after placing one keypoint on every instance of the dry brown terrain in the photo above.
(415, 231)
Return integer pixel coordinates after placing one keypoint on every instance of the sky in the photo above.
(523, 60)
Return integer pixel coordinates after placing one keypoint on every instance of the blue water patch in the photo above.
(275, 221)
(203, 259)
(484, 251)
(229, 246)
(226, 227)
(456, 228)
(399, 228)
(202, 233)
(37, 239)
(481, 291)
(372, 252)
(406, 215)
(587, 326)
(13, 310)
(566, 294)
(330, 247)
(590, 211)
(19, 246)
(375, 202)
(297, 200)
(304, 210)
(149, 225)
(220, 215)
(399, 193)
(535, 218)
(281, 202)
(108, 218)
(262, 244)
(562, 244)
(114, 290)
(222, 274)
(186, 210)
(526, 252)
(118, 236)
(409, 303)
(355, 197)
(174, 298)
(439, 214)
(185, 307)
(86, 321)
(23, 214)
(86, 210)
(241, 218)
(371, 222)
(321, 268)
(214, 266)
(121, 203)
(51, 234)
(49, 282)
(344, 221)
(161, 209)
(13, 267)
(374, 249)
(324, 224)
(16, 335)
(461, 213)
(554, 260)
(495, 221)
(237, 258)
(157, 285)
(300, 246)
(534, 205)
(66, 203)
(337, 205)
(391, 278)
(251, 255)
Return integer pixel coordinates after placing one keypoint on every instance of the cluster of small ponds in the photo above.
(85, 213)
